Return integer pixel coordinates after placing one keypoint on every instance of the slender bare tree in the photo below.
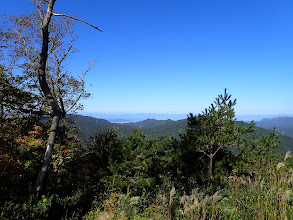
(45, 72)
(57, 111)
(47, 93)
(23, 39)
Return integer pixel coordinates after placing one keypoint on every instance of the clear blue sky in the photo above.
(171, 56)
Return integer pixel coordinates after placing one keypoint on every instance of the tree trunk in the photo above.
(47, 93)
(211, 164)
(48, 154)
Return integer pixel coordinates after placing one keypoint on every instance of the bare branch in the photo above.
(88, 69)
(59, 94)
(68, 16)
(217, 150)
(199, 150)
(24, 44)
(80, 96)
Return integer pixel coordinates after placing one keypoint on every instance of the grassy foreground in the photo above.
(267, 195)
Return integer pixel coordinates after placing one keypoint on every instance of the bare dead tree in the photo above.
(57, 111)
(23, 36)
(47, 93)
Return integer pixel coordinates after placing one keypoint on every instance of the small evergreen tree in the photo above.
(211, 133)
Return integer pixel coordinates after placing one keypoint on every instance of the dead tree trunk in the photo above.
(58, 113)
(47, 93)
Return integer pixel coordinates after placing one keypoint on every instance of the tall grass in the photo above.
(267, 195)
(262, 195)
(195, 206)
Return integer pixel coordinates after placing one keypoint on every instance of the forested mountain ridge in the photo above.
(151, 123)
(208, 166)
(90, 126)
(283, 125)
(113, 169)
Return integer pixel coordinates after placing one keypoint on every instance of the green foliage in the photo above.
(209, 138)
(21, 137)
(88, 126)
(146, 162)
(140, 176)
(106, 149)
(213, 171)
(265, 196)
(283, 125)
(33, 208)
(23, 44)
(16, 101)
(258, 156)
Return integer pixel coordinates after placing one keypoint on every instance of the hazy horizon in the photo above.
(165, 116)
(178, 56)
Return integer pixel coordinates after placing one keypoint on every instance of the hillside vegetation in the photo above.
(283, 125)
(90, 126)
(205, 167)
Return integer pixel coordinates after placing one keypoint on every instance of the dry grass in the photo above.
(267, 195)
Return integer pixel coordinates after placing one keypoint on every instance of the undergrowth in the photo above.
(263, 195)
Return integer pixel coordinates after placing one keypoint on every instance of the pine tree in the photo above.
(213, 132)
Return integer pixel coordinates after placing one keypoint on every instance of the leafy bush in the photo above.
(34, 208)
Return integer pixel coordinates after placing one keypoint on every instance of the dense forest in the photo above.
(208, 166)
(89, 126)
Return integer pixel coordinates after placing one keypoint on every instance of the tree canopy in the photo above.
(214, 170)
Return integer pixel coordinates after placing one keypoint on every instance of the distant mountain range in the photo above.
(134, 117)
(283, 125)
(90, 126)
(151, 127)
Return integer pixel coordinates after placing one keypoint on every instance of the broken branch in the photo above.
(68, 16)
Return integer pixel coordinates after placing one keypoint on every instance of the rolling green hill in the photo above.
(90, 126)
(286, 142)
(283, 125)
(159, 128)
(151, 127)
(151, 123)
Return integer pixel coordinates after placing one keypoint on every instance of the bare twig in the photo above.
(221, 147)
(80, 96)
(199, 150)
(68, 16)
